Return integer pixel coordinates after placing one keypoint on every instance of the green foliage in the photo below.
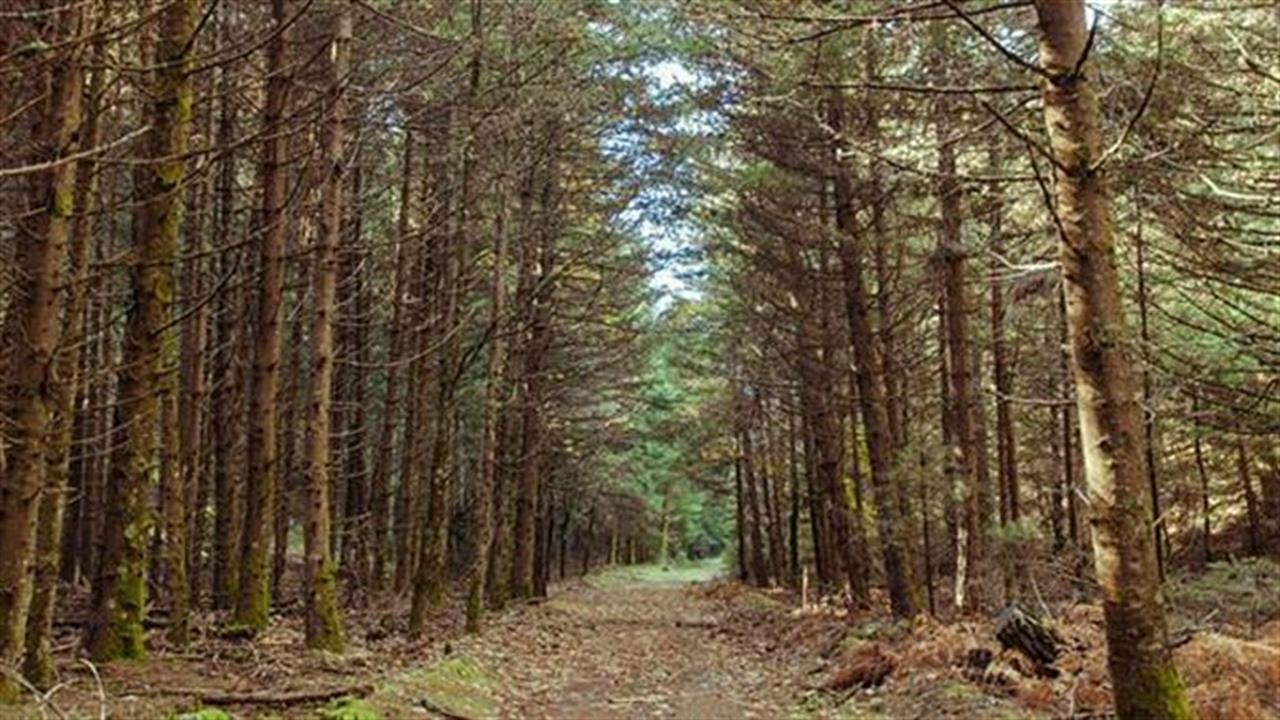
(1245, 592)
(668, 461)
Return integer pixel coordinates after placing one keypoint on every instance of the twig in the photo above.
(42, 698)
(102, 691)
(1011, 55)
(1146, 96)
(41, 167)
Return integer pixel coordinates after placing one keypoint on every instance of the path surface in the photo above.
(639, 644)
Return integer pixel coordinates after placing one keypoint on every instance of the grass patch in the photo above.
(682, 573)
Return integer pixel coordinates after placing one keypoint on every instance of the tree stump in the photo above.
(1018, 629)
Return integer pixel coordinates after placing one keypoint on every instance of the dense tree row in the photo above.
(997, 300)
(354, 270)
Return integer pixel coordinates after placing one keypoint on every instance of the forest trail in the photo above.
(636, 643)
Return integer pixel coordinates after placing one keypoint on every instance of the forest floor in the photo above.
(643, 642)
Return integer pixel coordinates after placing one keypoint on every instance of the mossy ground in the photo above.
(458, 685)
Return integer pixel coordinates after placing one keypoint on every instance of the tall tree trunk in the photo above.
(483, 514)
(120, 593)
(1148, 410)
(193, 378)
(227, 396)
(380, 483)
(497, 584)
(770, 486)
(759, 557)
(29, 394)
(1254, 545)
(254, 601)
(323, 629)
(290, 460)
(534, 295)
(37, 663)
(173, 498)
(357, 547)
(903, 594)
(1067, 425)
(1002, 380)
(971, 540)
(793, 519)
(1197, 445)
(823, 555)
(430, 584)
(740, 526)
(1143, 674)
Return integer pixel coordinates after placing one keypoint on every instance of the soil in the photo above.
(644, 642)
(630, 647)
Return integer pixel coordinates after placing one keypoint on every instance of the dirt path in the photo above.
(626, 645)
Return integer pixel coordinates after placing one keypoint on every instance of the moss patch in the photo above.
(205, 714)
(348, 708)
(457, 685)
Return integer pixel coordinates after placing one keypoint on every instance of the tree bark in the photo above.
(759, 557)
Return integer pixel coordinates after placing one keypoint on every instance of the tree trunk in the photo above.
(37, 663)
(971, 538)
(380, 483)
(793, 519)
(532, 279)
(1148, 412)
(1002, 380)
(228, 369)
(759, 558)
(359, 535)
(120, 593)
(483, 514)
(1143, 674)
(323, 629)
(1206, 527)
(903, 594)
(1254, 546)
(740, 526)
(254, 601)
(29, 395)
(193, 379)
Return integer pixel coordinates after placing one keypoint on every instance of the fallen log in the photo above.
(278, 699)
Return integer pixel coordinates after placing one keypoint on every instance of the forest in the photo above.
(856, 359)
